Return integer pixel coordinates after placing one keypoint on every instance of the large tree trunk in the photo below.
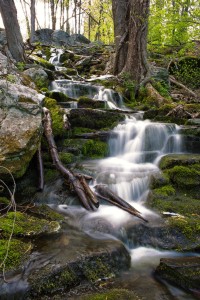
(121, 20)
(13, 34)
(131, 23)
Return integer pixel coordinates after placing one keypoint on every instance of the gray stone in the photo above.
(20, 127)
(38, 75)
(43, 36)
(61, 38)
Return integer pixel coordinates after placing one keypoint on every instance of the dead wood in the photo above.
(180, 112)
(179, 84)
(105, 193)
(68, 175)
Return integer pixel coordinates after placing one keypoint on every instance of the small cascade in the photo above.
(135, 150)
(76, 89)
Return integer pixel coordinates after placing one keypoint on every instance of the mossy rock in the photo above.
(56, 115)
(84, 148)
(172, 160)
(67, 55)
(67, 158)
(26, 225)
(85, 102)
(18, 252)
(94, 119)
(58, 96)
(95, 149)
(185, 177)
(113, 294)
(42, 62)
(181, 271)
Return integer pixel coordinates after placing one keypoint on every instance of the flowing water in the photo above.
(135, 151)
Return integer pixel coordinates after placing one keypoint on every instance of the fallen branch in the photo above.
(177, 83)
(106, 194)
(68, 175)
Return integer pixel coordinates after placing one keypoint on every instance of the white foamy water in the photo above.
(135, 150)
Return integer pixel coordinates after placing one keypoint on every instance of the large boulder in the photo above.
(43, 36)
(39, 76)
(20, 127)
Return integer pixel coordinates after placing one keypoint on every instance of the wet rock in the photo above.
(85, 102)
(94, 119)
(64, 261)
(172, 160)
(20, 126)
(182, 272)
(160, 236)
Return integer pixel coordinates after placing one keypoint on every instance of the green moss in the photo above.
(93, 270)
(18, 252)
(85, 102)
(113, 294)
(172, 160)
(56, 115)
(58, 96)
(42, 62)
(50, 174)
(80, 130)
(4, 200)
(185, 177)
(95, 149)
(94, 119)
(41, 82)
(190, 226)
(66, 158)
(44, 211)
(164, 191)
(25, 225)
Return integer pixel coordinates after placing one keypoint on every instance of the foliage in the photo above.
(172, 24)
(100, 20)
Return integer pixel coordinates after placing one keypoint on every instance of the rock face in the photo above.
(39, 76)
(183, 272)
(20, 127)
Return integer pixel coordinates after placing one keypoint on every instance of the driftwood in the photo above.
(106, 194)
(78, 183)
(68, 175)
(177, 83)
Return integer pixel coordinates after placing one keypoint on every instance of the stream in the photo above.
(134, 154)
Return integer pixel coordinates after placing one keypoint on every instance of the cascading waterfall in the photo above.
(135, 151)
(76, 89)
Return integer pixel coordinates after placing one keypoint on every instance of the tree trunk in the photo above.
(121, 19)
(13, 34)
(32, 20)
(131, 23)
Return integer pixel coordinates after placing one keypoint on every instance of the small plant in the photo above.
(20, 65)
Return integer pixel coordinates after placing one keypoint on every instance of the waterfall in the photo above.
(76, 89)
(135, 149)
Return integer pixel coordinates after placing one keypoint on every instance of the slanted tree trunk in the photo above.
(13, 34)
(130, 25)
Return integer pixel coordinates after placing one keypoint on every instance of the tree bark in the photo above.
(32, 20)
(130, 25)
(13, 34)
